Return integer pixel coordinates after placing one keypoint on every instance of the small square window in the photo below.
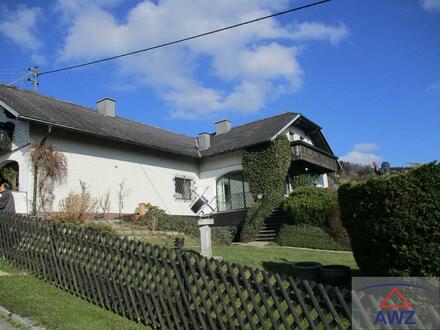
(182, 188)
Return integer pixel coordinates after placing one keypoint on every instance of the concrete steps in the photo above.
(271, 226)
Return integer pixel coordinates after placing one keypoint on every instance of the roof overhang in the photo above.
(285, 127)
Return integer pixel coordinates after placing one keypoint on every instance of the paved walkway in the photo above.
(5, 325)
(4, 273)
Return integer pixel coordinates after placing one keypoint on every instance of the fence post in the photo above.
(205, 237)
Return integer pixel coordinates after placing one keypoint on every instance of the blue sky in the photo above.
(368, 72)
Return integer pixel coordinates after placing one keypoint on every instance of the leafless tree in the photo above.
(123, 193)
(104, 203)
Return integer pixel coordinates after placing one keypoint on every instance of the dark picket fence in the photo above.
(168, 288)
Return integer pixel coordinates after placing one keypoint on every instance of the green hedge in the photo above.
(307, 236)
(185, 225)
(310, 205)
(394, 222)
(95, 227)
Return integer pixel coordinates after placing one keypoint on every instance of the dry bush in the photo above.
(50, 168)
(79, 207)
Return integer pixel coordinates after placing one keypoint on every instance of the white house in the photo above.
(153, 165)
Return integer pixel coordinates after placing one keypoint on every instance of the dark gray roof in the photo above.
(36, 107)
(39, 108)
(253, 133)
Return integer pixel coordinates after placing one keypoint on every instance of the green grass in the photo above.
(273, 257)
(54, 308)
(279, 259)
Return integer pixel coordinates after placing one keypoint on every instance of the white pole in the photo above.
(205, 237)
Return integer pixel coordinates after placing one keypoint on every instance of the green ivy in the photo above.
(303, 180)
(266, 168)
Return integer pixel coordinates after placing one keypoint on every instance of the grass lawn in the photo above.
(272, 257)
(54, 308)
(280, 258)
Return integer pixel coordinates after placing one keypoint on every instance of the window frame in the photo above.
(182, 196)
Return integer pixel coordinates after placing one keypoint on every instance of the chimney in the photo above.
(107, 107)
(222, 127)
(204, 140)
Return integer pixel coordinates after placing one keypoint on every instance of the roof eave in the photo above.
(285, 127)
(110, 138)
(9, 109)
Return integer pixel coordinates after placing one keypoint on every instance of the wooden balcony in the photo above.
(303, 151)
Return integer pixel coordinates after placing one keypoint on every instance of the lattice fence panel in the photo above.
(168, 288)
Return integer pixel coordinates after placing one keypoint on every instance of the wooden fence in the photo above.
(168, 288)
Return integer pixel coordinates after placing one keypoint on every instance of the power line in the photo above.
(31, 76)
(183, 39)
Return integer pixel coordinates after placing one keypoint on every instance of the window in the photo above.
(182, 188)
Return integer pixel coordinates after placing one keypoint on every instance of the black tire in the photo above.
(307, 270)
(336, 275)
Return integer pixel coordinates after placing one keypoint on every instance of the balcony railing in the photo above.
(306, 152)
(235, 202)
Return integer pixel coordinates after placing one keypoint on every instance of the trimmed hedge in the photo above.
(94, 227)
(310, 205)
(336, 228)
(394, 222)
(307, 236)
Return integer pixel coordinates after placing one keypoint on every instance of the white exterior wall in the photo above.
(20, 136)
(148, 175)
(24, 177)
(18, 153)
(212, 168)
(294, 134)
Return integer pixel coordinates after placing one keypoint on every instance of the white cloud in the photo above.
(250, 63)
(319, 31)
(39, 59)
(431, 5)
(434, 87)
(19, 26)
(362, 153)
(366, 147)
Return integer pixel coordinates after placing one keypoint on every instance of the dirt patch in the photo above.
(2, 273)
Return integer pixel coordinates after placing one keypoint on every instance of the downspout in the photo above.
(34, 195)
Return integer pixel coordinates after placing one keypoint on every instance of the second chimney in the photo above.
(204, 141)
(222, 127)
(107, 107)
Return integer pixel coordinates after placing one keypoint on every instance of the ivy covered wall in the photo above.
(266, 168)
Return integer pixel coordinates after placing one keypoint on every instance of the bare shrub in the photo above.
(79, 207)
(104, 203)
(50, 168)
(123, 193)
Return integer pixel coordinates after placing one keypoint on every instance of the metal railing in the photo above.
(235, 201)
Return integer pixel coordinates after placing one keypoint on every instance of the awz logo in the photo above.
(404, 314)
